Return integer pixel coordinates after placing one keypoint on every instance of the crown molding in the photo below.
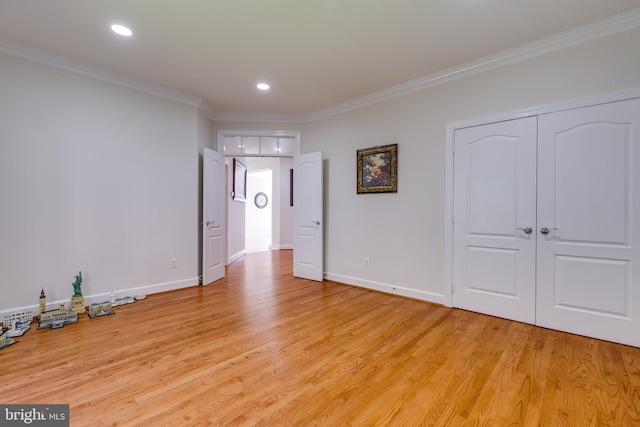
(47, 58)
(206, 110)
(614, 25)
(17, 49)
(600, 29)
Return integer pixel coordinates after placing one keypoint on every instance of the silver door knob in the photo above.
(210, 222)
(545, 230)
(527, 230)
(315, 222)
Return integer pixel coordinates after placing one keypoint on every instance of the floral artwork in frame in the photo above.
(378, 169)
(239, 193)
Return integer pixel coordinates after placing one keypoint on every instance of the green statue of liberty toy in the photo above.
(77, 301)
(77, 292)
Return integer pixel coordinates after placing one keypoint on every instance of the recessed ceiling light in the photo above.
(262, 86)
(121, 30)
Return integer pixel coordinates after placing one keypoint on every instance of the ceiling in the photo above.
(314, 54)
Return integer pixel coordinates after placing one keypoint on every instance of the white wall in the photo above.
(286, 211)
(403, 233)
(236, 214)
(93, 177)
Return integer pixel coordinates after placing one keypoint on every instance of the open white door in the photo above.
(308, 256)
(213, 216)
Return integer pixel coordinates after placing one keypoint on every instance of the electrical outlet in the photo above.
(367, 263)
(174, 262)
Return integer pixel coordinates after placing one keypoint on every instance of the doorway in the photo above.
(259, 208)
(307, 240)
(249, 146)
(251, 228)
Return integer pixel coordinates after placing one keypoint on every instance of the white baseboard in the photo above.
(235, 257)
(280, 247)
(386, 288)
(185, 283)
(119, 293)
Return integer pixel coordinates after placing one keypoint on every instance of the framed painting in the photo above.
(378, 169)
(239, 192)
(290, 187)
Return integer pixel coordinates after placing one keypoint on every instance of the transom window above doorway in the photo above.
(259, 146)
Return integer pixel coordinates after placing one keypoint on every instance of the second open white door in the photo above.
(213, 216)
(308, 245)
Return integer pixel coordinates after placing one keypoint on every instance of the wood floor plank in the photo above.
(263, 348)
(489, 401)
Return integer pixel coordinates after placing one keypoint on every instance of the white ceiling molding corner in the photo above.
(617, 24)
(206, 110)
(36, 55)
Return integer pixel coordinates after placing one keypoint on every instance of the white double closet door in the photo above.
(547, 220)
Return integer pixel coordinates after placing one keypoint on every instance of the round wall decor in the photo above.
(261, 200)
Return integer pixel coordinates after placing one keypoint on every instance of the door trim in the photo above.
(517, 114)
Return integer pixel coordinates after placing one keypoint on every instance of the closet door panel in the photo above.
(588, 280)
(494, 199)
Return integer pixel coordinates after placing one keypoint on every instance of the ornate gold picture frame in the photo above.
(378, 169)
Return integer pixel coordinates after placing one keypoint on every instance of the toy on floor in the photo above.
(54, 319)
(99, 309)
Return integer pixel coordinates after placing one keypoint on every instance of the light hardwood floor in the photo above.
(263, 348)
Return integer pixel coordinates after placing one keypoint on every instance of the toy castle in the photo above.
(54, 318)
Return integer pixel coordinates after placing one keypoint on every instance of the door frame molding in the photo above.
(219, 143)
(451, 127)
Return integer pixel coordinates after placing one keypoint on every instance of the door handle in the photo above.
(315, 222)
(545, 230)
(210, 222)
(527, 230)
